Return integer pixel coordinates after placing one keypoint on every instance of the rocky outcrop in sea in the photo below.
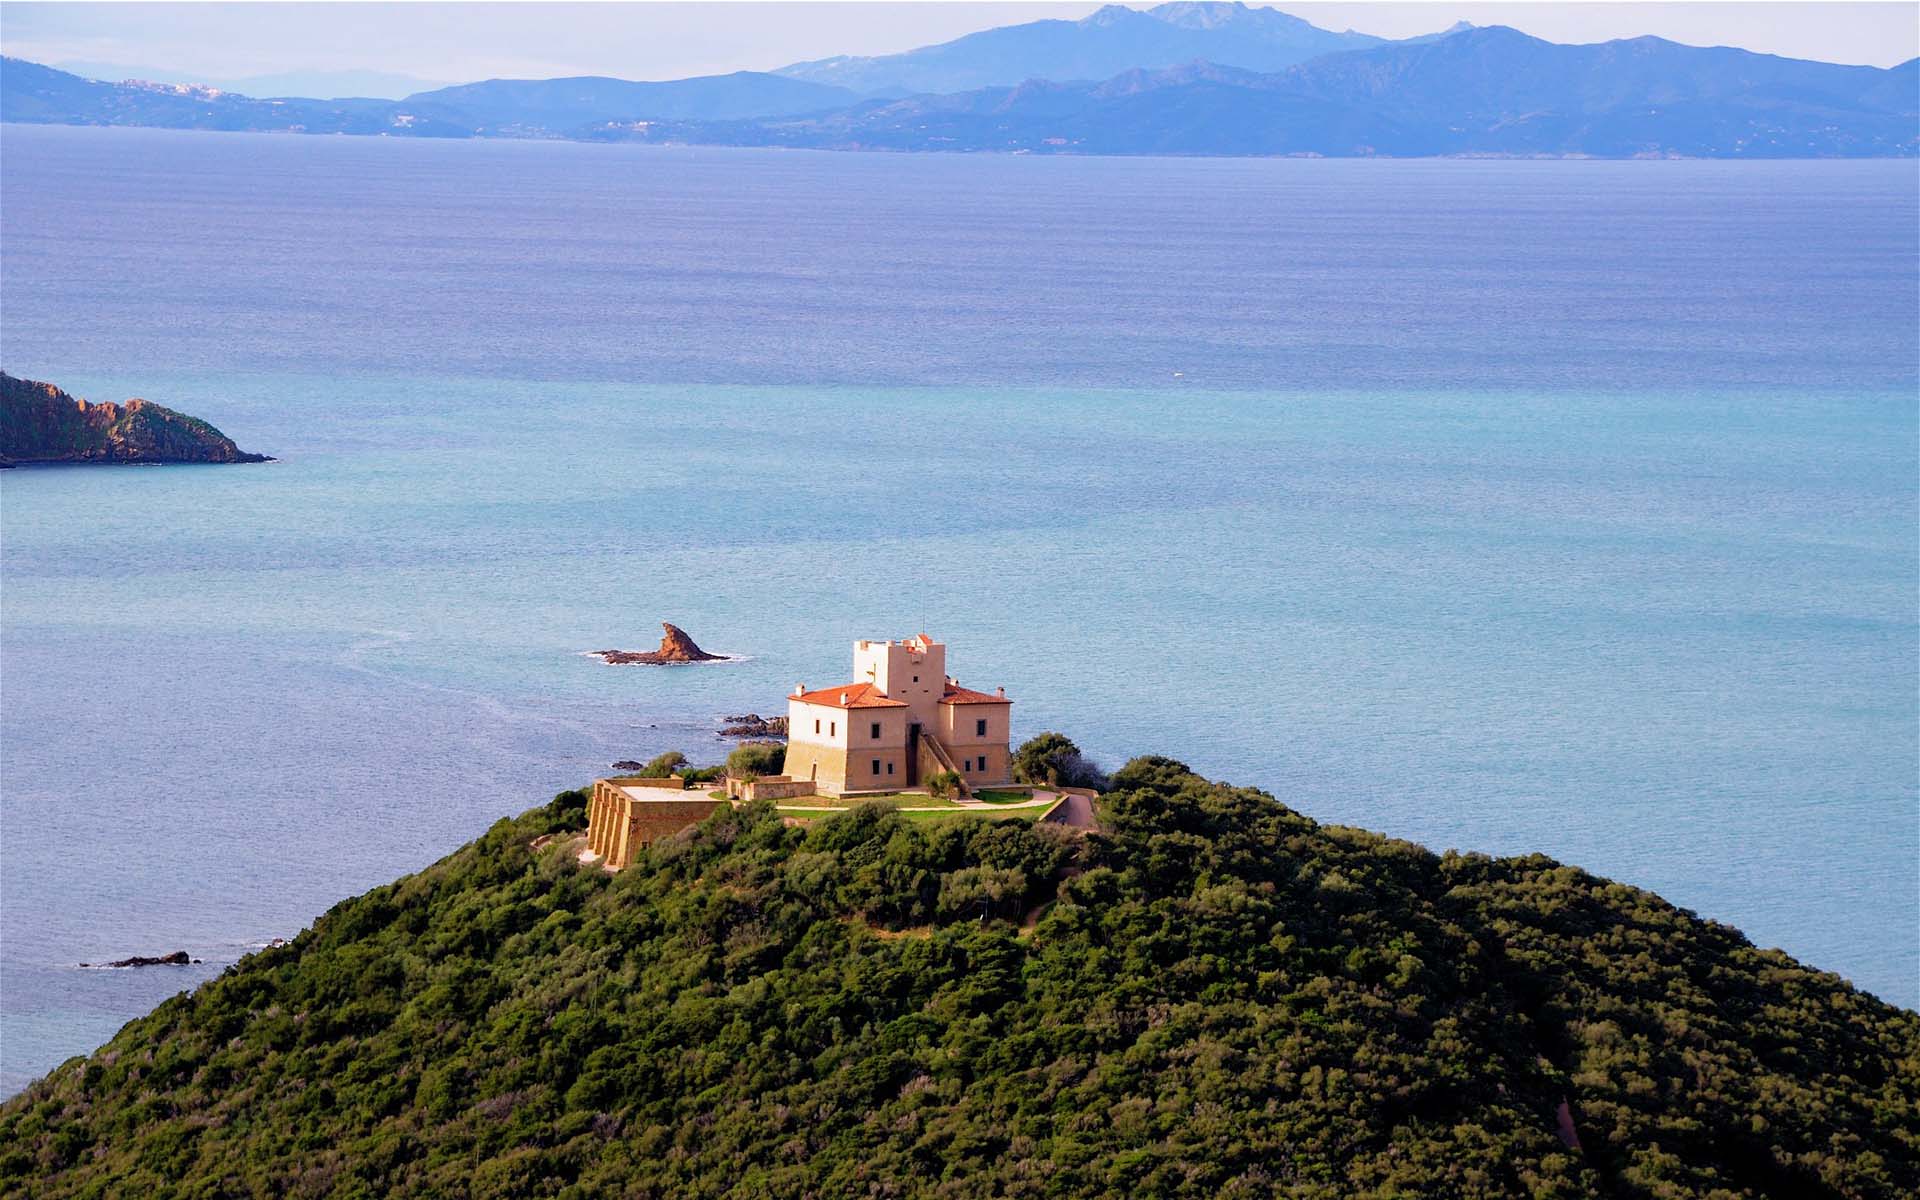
(754, 727)
(179, 958)
(39, 423)
(675, 647)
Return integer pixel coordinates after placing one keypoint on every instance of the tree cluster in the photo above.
(1214, 996)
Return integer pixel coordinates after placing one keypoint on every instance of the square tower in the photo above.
(912, 670)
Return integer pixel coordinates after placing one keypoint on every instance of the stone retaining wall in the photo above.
(618, 825)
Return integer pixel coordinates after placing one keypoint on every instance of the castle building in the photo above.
(902, 720)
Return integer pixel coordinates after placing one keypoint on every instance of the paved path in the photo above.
(1075, 811)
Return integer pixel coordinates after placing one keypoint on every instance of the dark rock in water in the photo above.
(628, 764)
(41, 423)
(177, 959)
(754, 726)
(675, 647)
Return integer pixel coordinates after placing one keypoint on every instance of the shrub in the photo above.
(751, 760)
(943, 785)
(1052, 760)
(660, 766)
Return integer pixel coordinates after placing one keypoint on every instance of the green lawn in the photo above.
(990, 796)
(902, 799)
(950, 813)
(978, 814)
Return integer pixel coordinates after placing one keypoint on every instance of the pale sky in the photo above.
(458, 42)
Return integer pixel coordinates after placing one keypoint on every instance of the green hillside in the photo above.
(1216, 997)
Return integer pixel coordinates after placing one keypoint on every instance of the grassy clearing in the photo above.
(946, 814)
(990, 796)
(975, 813)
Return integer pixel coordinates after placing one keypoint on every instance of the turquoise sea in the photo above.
(1504, 506)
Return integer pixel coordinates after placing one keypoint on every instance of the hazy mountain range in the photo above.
(1110, 41)
(1184, 78)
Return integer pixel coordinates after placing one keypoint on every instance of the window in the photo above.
(876, 731)
(876, 766)
(967, 765)
(889, 768)
(980, 728)
(916, 679)
(833, 729)
(816, 725)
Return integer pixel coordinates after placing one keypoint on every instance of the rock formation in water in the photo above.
(675, 647)
(753, 726)
(39, 423)
(178, 958)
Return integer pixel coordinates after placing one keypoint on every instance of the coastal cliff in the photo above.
(39, 423)
(1211, 995)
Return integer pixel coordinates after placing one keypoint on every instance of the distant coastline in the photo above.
(1161, 87)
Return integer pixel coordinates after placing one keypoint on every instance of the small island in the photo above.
(675, 647)
(40, 423)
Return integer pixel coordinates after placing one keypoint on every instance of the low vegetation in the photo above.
(751, 760)
(1212, 997)
(1052, 760)
(660, 766)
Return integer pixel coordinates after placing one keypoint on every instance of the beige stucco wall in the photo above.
(890, 734)
(768, 787)
(983, 758)
(904, 674)
(957, 725)
(823, 766)
(835, 723)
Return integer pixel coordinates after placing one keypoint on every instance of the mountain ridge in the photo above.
(1477, 91)
(1112, 39)
(1487, 90)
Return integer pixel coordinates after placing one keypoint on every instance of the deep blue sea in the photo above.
(1505, 506)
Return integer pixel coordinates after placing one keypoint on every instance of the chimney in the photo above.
(1000, 692)
(799, 688)
(843, 699)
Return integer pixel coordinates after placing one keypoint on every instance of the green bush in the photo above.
(660, 766)
(1052, 760)
(944, 785)
(751, 760)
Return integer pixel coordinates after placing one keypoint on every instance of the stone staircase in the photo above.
(943, 761)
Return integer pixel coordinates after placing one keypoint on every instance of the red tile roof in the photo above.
(959, 695)
(850, 695)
